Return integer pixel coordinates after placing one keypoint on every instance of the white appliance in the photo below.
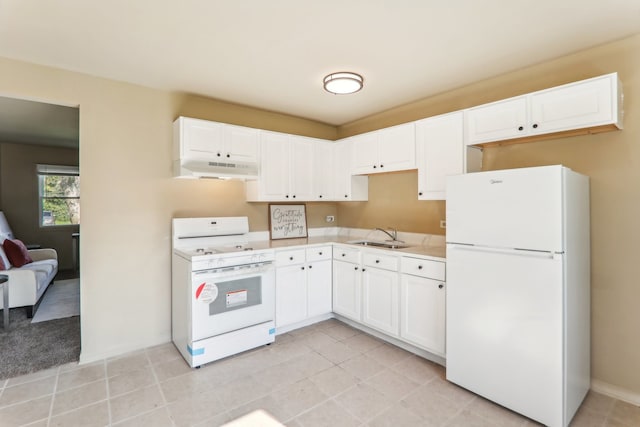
(223, 289)
(518, 289)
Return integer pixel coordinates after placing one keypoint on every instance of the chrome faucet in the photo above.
(393, 234)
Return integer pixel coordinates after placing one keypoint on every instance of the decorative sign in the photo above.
(287, 221)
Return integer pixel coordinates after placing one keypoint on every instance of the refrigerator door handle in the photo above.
(506, 251)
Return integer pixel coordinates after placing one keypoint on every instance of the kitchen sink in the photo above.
(387, 244)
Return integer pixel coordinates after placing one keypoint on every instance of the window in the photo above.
(59, 190)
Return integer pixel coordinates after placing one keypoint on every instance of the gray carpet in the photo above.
(29, 347)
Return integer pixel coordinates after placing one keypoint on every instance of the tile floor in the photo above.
(326, 374)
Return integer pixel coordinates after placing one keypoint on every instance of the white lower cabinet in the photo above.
(380, 299)
(303, 284)
(422, 304)
(403, 297)
(291, 295)
(380, 292)
(347, 283)
(319, 288)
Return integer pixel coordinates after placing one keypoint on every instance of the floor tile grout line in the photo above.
(106, 380)
(53, 396)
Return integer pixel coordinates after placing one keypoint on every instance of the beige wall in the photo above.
(125, 162)
(612, 160)
(393, 203)
(19, 196)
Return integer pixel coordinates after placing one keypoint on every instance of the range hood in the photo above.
(193, 168)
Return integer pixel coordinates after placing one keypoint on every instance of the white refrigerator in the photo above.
(518, 289)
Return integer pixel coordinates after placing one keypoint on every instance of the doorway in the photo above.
(35, 136)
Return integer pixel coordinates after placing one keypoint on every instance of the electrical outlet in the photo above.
(443, 223)
(330, 218)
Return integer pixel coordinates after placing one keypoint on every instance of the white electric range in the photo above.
(223, 289)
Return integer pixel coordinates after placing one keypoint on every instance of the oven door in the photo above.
(227, 299)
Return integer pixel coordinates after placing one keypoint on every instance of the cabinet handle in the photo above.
(320, 196)
(228, 155)
(535, 125)
(419, 267)
(381, 166)
(520, 128)
(355, 268)
(290, 258)
(294, 196)
(310, 267)
(302, 267)
(287, 196)
(364, 269)
(218, 154)
(375, 167)
(377, 261)
(344, 254)
(346, 195)
(440, 286)
(320, 253)
(420, 193)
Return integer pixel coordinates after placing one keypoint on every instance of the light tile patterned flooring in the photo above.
(327, 374)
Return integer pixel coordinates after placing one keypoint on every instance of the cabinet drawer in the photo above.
(318, 253)
(423, 268)
(386, 262)
(290, 257)
(346, 254)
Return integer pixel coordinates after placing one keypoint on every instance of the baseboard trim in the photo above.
(615, 392)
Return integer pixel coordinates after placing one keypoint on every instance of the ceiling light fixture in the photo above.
(343, 83)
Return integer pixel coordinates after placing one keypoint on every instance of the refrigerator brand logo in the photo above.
(495, 181)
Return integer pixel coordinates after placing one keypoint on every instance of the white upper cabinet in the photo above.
(364, 155)
(397, 148)
(287, 169)
(347, 187)
(592, 105)
(200, 139)
(439, 153)
(324, 170)
(386, 150)
(206, 140)
(273, 184)
(301, 178)
(588, 103)
(241, 143)
(497, 121)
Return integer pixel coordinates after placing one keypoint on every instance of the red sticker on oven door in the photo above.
(207, 292)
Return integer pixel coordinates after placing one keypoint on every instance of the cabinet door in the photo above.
(319, 288)
(301, 167)
(364, 154)
(574, 106)
(346, 185)
(291, 295)
(241, 143)
(274, 166)
(497, 121)
(380, 289)
(440, 152)
(397, 148)
(202, 139)
(422, 311)
(323, 165)
(347, 291)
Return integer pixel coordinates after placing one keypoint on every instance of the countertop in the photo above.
(418, 248)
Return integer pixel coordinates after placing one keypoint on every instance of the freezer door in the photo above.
(505, 328)
(515, 208)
